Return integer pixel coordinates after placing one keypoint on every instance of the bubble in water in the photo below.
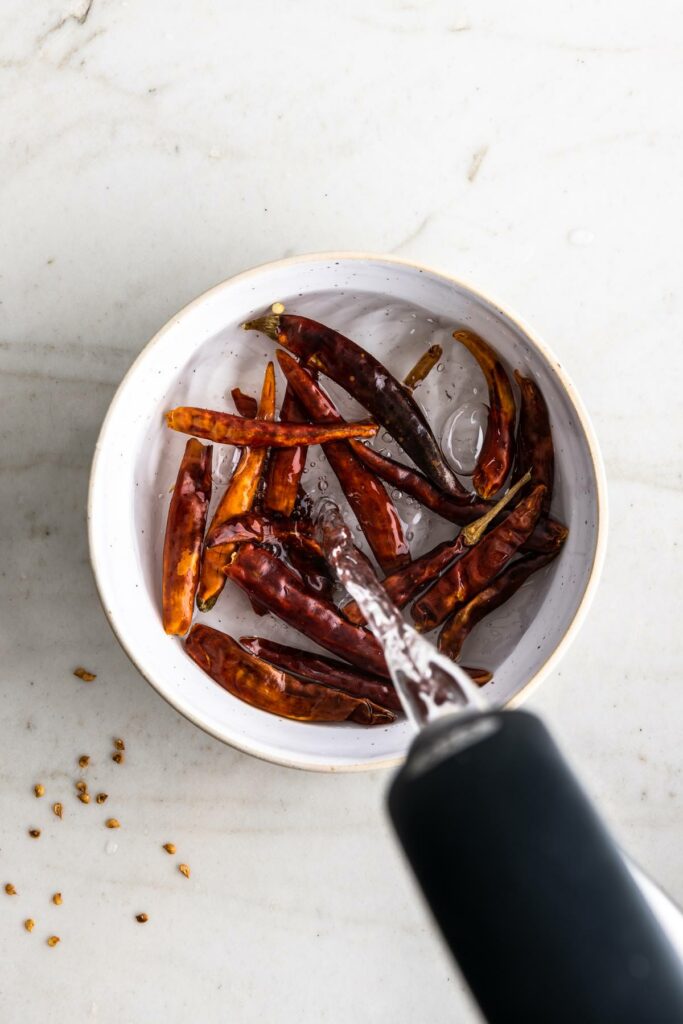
(385, 452)
(409, 535)
(305, 470)
(463, 436)
(440, 367)
(312, 465)
(323, 484)
(395, 495)
(387, 437)
(111, 847)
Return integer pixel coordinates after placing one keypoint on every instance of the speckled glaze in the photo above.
(196, 358)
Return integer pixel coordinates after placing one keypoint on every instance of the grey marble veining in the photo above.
(150, 150)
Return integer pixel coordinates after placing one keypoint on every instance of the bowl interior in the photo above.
(396, 311)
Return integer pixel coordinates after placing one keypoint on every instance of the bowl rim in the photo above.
(594, 451)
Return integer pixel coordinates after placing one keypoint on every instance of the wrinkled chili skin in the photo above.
(535, 450)
(246, 405)
(462, 622)
(461, 509)
(227, 428)
(404, 584)
(549, 535)
(423, 367)
(495, 458)
(366, 380)
(318, 668)
(286, 464)
(238, 498)
(184, 536)
(268, 688)
(263, 576)
(475, 570)
(370, 503)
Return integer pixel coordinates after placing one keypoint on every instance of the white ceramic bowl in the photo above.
(394, 308)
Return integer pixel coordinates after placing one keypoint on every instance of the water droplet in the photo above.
(322, 484)
(312, 465)
(463, 436)
(581, 236)
(409, 535)
(159, 496)
(440, 367)
(357, 528)
(416, 518)
(385, 452)
(395, 495)
(111, 847)
(387, 437)
(305, 471)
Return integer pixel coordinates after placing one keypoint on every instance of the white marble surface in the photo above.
(151, 149)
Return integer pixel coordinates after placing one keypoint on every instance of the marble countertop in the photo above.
(153, 149)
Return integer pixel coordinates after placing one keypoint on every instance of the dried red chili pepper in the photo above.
(479, 566)
(184, 534)
(423, 367)
(535, 451)
(226, 428)
(366, 380)
(459, 509)
(238, 498)
(263, 576)
(246, 405)
(402, 586)
(260, 528)
(372, 506)
(460, 625)
(286, 464)
(318, 668)
(269, 689)
(495, 458)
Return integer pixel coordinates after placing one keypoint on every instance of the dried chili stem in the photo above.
(472, 534)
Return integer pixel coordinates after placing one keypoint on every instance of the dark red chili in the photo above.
(461, 624)
(479, 566)
(286, 464)
(269, 689)
(246, 405)
(263, 576)
(535, 451)
(372, 506)
(366, 380)
(495, 458)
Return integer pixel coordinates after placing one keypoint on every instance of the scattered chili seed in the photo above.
(34, 833)
(58, 809)
(142, 918)
(101, 797)
(29, 924)
(10, 890)
(84, 798)
(84, 761)
(118, 757)
(53, 940)
(113, 823)
(119, 744)
(57, 899)
(39, 789)
(83, 674)
(82, 786)
(184, 870)
(169, 847)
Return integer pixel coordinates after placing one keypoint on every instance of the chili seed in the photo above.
(84, 761)
(39, 789)
(29, 924)
(58, 809)
(57, 899)
(101, 797)
(142, 918)
(83, 674)
(113, 823)
(84, 798)
(169, 847)
(184, 870)
(82, 786)
(34, 833)
(119, 744)
(118, 757)
(10, 890)
(53, 940)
